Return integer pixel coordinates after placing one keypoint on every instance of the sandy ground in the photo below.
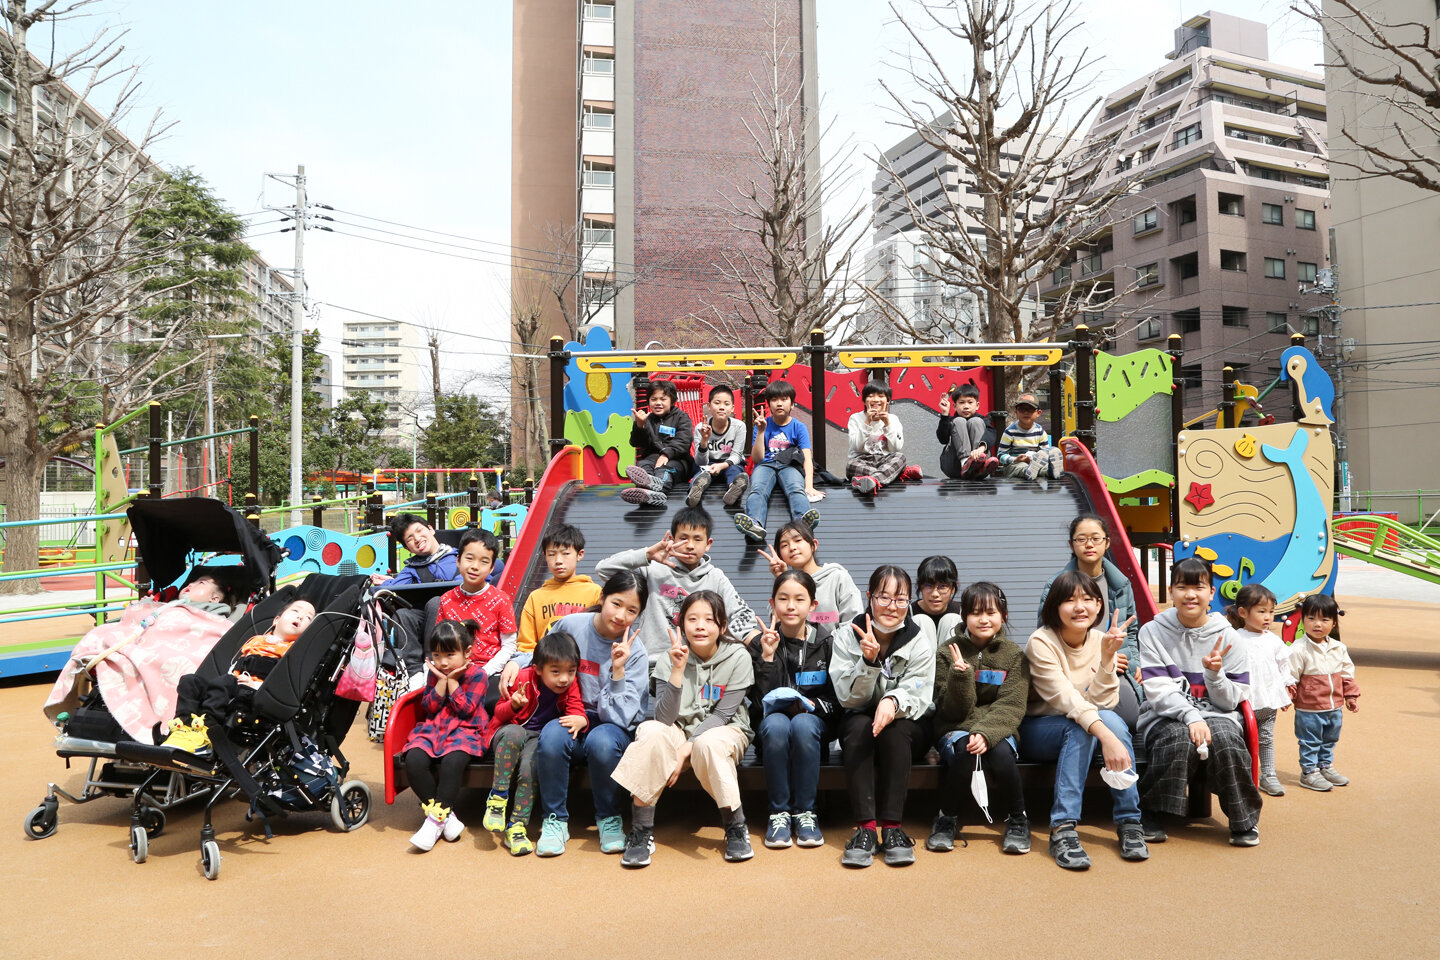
(1350, 873)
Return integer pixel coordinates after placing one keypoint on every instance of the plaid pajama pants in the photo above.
(1172, 762)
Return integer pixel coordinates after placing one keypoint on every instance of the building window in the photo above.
(1272, 213)
(1312, 326)
(1233, 260)
(1188, 320)
(1305, 219)
(1187, 266)
(1150, 328)
(600, 66)
(598, 176)
(1191, 376)
(597, 233)
(1147, 221)
(599, 11)
(1306, 271)
(1172, 83)
(598, 120)
(1183, 210)
(1235, 316)
(1274, 268)
(1277, 323)
(1187, 135)
(1148, 275)
(1232, 204)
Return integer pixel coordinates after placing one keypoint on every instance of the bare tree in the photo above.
(530, 295)
(790, 271)
(1395, 68)
(1005, 107)
(73, 192)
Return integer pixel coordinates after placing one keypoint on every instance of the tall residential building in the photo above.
(1223, 153)
(1386, 237)
(387, 360)
(272, 293)
(627, 131)
(324, 382)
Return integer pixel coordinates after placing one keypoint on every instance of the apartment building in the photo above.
(387, 360)
(1221, 154)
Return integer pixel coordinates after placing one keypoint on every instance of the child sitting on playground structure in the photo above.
(475, 599)
(430, 560)
(781, 453)
(208, 702)
(876, 442)
(719, 449)
(1025, 449)
(662, 435)
(837, 599)
(1322, 676)
(674, 568)
(566, 592)
(968, 439)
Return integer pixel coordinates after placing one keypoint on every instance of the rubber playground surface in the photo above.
(1350, 873)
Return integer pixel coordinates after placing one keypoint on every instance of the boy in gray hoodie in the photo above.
(675, 567)
(1196, 673)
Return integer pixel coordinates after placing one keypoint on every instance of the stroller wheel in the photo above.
(153, 821)
(42, 822)
(350, 807)
(210, 859)
(139, 844)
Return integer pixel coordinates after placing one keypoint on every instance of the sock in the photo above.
(867, 825)
(731, 817)
(889, 824)
(643, 817)
(502, 794)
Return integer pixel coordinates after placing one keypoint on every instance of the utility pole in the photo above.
(1327, 284)
(297, 345)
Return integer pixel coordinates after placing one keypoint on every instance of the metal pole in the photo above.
(210, 415)
(156, 487)
(1227, 398)
(297, 346)
(817, 398)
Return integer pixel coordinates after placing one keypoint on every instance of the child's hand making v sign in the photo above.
(1114, 640)
(1213, 662)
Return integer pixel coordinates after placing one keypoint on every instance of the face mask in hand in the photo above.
(1120, 780)
(980, 791)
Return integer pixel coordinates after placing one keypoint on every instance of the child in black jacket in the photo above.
(968, 439)
(792, 661)
(662, 435)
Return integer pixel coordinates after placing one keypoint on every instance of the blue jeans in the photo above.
(762, 482)
(1317, 732)
(601, 745)
(790, 748)
(1061, 740)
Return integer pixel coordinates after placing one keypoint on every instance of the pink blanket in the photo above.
(154, 646)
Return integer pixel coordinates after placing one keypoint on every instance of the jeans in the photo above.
(762, 482)
(602, 745)
(667, 474)
(1072, 749)
(1317, 732)
(1003, 781)
(732, 473)
(790, 748)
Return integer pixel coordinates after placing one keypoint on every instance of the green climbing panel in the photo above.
(1123, 383)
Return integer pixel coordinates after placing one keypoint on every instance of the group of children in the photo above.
(890, 675)
(670, 449)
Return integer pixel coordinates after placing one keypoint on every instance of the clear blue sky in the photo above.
(402, 112)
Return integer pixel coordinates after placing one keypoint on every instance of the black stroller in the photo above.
(279, 745)
(185, 538)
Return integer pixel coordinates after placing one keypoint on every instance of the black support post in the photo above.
(817, 398)
(317, 512)
(558, 358)
(474, 502)
(1057, 405)
(253, 497)
(1227, 398)
(1085, 387)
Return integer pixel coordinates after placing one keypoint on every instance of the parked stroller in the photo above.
(177, 541)
(278, 744)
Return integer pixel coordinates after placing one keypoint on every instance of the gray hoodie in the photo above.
(711, 694)
(837, 598)
(1177, 684)
(669, 586)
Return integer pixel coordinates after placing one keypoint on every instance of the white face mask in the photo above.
(1121, 780)
(980, 791)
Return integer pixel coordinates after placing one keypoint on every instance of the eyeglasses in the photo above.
(890, 601)
(1086, 541)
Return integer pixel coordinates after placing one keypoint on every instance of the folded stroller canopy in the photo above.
(167, 531)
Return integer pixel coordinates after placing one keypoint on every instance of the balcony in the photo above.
(596, 142)
(597, 200)
(598, 33)
(598, 87)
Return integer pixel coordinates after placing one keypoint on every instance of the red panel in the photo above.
(566, 466)
(331, 554)
(1081, 464)
(397, 731)
(922, 386)
(601, 469)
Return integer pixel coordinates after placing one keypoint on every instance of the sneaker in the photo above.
(1132, 841)
(1315, 780)
(991, 465)
(912, 473)
(942, 834)
(1017, 834)
(860, 850)
(494, 819)
(642, 479)
(424, 838)
(807, 830)
(899, 848)
(737, 842)
(1334, 776)
(777, 833)
(554, 832)
(971, 469)
(736, 490)
(1036, 465)
(1272, 786)
(453, 829)
(811, 518)
(1152, 831)
(1245, 838)
(638, 847)
(643, 498)
(1065, 847)
(515, 839)
(192, 737)
(698, 486)
(612, 834)
(749, 526)
(865, 484)
(1056, 463)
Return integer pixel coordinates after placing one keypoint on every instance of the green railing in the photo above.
(1425, 502)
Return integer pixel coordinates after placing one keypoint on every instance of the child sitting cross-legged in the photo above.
(545, 690)
(700, 721)
(876, 442)
(449, 732)
(1025, 449)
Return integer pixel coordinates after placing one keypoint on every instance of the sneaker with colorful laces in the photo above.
(494, 820)
(554, 833)
(516, 841)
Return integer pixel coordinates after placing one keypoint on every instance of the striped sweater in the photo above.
(1016, 440)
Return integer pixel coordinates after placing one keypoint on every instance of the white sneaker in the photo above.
(424, 838)
(452, 829)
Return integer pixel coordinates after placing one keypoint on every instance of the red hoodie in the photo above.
(567, 704)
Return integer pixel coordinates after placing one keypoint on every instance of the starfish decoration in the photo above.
(1199, 496)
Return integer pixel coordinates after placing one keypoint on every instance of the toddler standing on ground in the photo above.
(1251, 616)
(1322, 676)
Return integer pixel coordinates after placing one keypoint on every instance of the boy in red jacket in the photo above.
(544, 691)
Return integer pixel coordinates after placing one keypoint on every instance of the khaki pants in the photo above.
(649, 761)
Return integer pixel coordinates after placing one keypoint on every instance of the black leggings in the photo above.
(879, 794)
(1003, 779)
(438, 780)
